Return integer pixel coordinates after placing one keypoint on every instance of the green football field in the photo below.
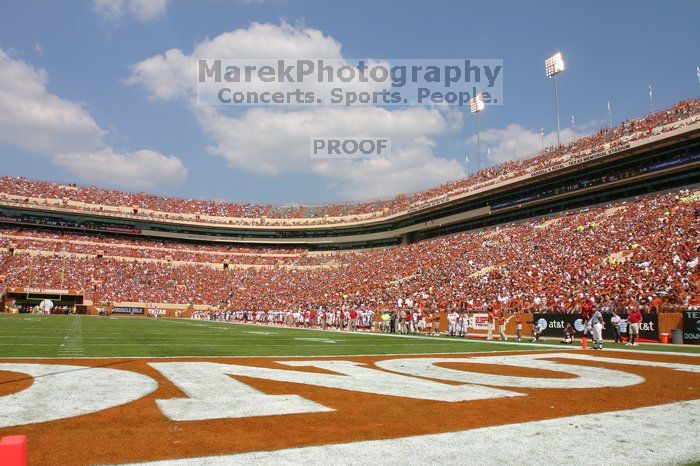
(89, 336)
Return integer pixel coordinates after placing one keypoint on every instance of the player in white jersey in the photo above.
(596, 325)
(371, 316)
(462, 324)
(452, 319)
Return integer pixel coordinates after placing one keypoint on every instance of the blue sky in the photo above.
(118, 122)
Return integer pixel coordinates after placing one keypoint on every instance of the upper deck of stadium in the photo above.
(634, 152)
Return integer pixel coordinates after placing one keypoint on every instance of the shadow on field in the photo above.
(110, 364)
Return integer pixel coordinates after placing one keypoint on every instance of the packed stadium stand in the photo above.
(629, 252)
(613, 217)
(70, 244)
(93, 199)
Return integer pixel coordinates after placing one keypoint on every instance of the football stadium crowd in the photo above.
(93, 199)
(22, 239)
(636, 253)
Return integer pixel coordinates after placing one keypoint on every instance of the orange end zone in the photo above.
(13, 451)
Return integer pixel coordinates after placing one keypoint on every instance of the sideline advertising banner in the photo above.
(552, 325)
(127, 310)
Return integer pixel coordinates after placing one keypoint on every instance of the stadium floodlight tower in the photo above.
(476, 106)
(552, 67)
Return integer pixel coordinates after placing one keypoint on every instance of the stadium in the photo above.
(531, 306)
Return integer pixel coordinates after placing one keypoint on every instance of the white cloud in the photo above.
(255, 140)
(34, 119)
(174, 73)
(275, 141)
(141, 10)
(527, 142)
(110, 10)
(147, 10)
(142, 169)
(411, 167)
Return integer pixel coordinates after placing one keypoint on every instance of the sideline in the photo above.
(442, 338)
(465, 340)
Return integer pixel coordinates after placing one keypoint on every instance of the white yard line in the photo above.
(72, 344)
(634, 436)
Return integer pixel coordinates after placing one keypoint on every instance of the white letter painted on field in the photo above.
(585, 376)
(62, 391)
(358, 377)
(212, 394)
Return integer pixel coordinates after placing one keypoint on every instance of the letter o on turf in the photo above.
(61, 391)
(584, 376)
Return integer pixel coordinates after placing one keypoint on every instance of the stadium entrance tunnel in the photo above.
(23, 300)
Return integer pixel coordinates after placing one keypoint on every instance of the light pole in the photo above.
(476, 106)
(651, 99)
(609, 116)
(552, 67)
(542, 137)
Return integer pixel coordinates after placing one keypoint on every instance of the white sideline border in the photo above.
(636, 436)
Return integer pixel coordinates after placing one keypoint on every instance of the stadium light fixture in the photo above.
(476, 106)
(552, 67)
